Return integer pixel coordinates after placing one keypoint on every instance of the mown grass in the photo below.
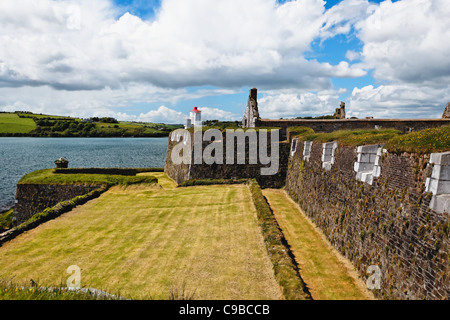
(148, 242)
(322, 268)
(47, 176)
(11, 123)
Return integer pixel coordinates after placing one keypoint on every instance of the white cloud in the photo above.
(288, 104)
(406, 42)
(352, 55)
(162, 114)
(398, 101)
(224, 43)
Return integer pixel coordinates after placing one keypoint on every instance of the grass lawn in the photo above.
(144, 242)
(327, 274)
(11, 123)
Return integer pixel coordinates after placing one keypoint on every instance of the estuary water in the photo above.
(19, 156)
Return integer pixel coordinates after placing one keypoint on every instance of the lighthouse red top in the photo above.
(195, 110)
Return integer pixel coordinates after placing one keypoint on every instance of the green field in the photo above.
(148, 242)
(11, 123)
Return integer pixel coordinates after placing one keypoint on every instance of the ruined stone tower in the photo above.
(340, 112)
(251, 114)
(446, 114)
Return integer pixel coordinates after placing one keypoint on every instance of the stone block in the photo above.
(437, 186)
(440, 203)
(368, 149)
(440, 158)
(376, 172)
(363, 157)
(441, 172)
(361, 166)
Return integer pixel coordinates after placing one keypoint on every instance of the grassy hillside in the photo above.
(148, 242)
(11, 123)
(39, 125)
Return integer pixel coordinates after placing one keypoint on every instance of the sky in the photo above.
(155, 60)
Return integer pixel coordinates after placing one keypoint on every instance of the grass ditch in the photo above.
(284, 265)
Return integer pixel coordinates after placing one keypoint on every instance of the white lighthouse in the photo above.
(195, 118)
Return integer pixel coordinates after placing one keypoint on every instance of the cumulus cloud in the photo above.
(397, 101)
(406, 41)
(288, 104)
(225, 43)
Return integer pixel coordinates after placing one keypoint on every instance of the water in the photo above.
(19, 156)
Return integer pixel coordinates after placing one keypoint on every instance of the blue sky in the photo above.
(154, 60)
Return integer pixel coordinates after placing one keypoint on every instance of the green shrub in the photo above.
(205, 182)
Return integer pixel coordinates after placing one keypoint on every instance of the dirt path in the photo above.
(328, 275)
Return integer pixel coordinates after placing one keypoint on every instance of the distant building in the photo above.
(195, 118)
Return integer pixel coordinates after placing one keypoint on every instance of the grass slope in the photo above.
(147, 242)
(326, 273)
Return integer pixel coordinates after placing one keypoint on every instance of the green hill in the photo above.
(39, 125)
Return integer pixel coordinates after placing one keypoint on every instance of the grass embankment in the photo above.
(423, 141)
(147, 242)
(6, 220)
(326, 273)
(48, 176)
(285, 269)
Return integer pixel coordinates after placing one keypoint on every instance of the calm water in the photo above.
(19, 156)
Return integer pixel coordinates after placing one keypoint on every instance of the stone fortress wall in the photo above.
(377, 209)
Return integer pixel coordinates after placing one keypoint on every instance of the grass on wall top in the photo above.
(47, 176)
(423, 141)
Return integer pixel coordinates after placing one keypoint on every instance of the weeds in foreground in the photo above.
(180, 292)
